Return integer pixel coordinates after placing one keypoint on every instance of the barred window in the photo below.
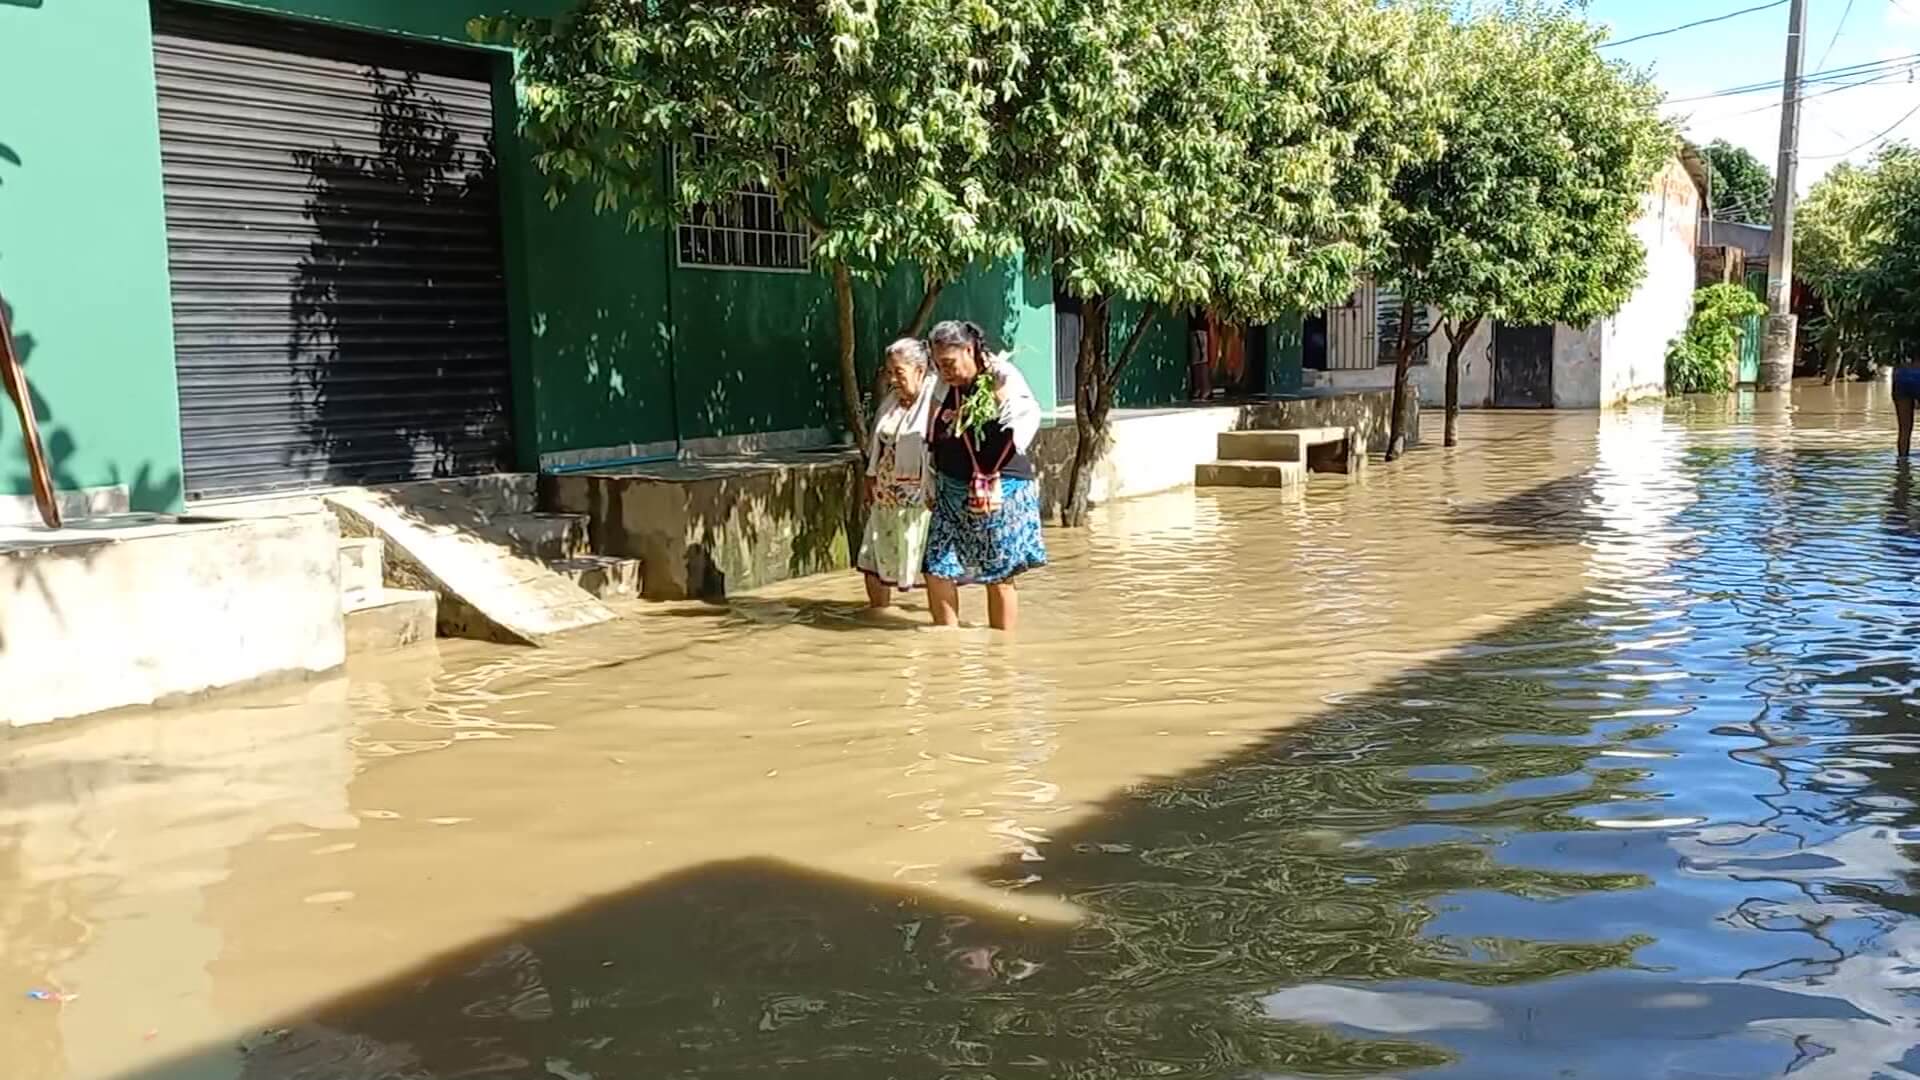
(748, 230)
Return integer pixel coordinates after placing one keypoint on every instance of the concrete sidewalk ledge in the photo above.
(707, 527)
(136, 610)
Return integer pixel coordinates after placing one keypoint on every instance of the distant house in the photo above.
(1612, 361)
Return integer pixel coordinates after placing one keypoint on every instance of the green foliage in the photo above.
(1527, 215)
(1854, 239)
(870, 121)
(1831, 228)
(1742, 186)
(1229, 152)
(1884, 294)
(1701, 360)
(980, 408)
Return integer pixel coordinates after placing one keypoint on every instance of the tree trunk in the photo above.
(1403, 356)
(1457, 337)
(1088, 419)
(1096, 378)
(918, 323)
(849, 373)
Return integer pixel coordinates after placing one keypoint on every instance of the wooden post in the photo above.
(15, 378)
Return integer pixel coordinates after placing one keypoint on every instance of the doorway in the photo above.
(1523, 367)
(334, 246)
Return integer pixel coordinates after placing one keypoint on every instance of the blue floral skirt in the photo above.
(985, 549)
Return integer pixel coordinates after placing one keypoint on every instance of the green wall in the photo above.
(1015, 309)
(83, 260)
(1157, 374)
(612, 344)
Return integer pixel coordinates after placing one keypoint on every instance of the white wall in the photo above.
(1633, 345)
(1430, 378)
(103, 618)
(1577, 366)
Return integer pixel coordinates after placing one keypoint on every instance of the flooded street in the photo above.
(1584, 750)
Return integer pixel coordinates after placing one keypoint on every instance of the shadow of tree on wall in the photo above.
(399, 309)
(1319, 859)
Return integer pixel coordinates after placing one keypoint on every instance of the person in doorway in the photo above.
(1906, 394)
(986, 505)
(899, 476)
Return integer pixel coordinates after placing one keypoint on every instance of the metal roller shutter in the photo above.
(334, 241)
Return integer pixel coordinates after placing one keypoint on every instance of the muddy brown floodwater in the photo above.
(1587, 749)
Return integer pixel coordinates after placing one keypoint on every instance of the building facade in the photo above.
(265, 245)
(1614, 360)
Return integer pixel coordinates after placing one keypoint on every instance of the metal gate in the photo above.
(1753, 334)
(1753, 331)
(1352, 332)
(333, 235)
(1523, 366)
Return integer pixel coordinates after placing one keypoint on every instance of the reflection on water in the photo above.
(1585, 750)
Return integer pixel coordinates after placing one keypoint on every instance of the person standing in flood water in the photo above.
(1906, 394)
(986, 505)
(899, 476)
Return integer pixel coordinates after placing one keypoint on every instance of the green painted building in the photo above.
(268, 244)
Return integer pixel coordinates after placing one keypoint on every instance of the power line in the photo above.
(1830, 75)
(1904, 74)
(1881, 136)
(1835, 40)
(1691, 25)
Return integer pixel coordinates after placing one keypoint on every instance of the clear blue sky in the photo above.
(1752, 48)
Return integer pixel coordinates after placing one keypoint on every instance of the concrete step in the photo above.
(1323, 449)
(545, 537)
(1260, 446)
(392, 619)
(362, 564)
(487, 589)
(1260, 474)
(605, 576)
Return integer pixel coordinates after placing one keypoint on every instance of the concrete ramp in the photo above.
(482, 552)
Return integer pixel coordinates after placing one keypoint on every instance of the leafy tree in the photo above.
(1180, 153)
(1742, 185)
(1886, 291)
(868, 121)
(1701, 360)
(1526, 216)
(1841, 230)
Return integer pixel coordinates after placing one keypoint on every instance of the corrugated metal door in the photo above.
(334, 239)
(1351, 333)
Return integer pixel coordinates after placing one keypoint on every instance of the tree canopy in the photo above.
(1854, 236)
(1887, 286)
(1176, 154)
(870, 122)
(1526, 215)
(1742, 185)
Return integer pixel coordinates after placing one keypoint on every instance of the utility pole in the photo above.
(1776, 364)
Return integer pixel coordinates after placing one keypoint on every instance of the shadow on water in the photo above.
(1286, 866)
(399, 303)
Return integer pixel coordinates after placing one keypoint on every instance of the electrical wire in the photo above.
(1835, 40)
(1880, 137)
(1691, 25)
(1904, 75)
(1902, 63)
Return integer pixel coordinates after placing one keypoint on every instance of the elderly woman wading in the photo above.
(899, 476)
(986, 505)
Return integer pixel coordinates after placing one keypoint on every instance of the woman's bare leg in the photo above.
(879, 595)
(1003, 605)
(943, 601)
(1903, 411)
